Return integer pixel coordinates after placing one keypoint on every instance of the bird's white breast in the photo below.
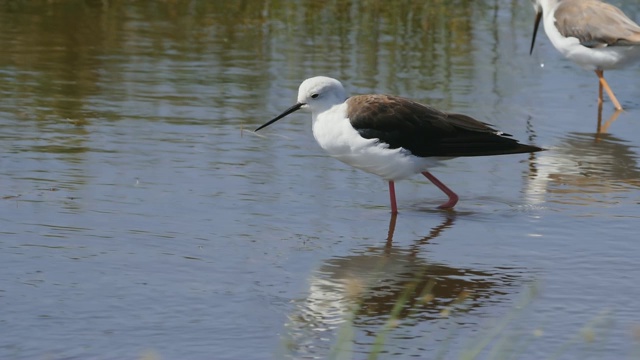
(334, 133)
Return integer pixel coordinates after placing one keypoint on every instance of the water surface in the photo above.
(140, 215)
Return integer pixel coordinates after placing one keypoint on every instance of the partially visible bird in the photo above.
(593, 34)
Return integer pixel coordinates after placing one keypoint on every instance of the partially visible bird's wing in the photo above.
(596, 24)
(426, 131)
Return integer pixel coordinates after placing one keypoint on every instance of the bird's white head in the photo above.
(317, 94)
(320, 93)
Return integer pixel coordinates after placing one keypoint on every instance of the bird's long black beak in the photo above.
(535, 30)
(294, 108)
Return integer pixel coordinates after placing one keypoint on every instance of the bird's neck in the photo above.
(548, 6)
(329, 112)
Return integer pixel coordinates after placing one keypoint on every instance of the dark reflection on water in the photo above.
(85, 61)
(361, 290)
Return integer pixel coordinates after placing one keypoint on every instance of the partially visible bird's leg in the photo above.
(392, 195)
(453, 197)
(603, 83)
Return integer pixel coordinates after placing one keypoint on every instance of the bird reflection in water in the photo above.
(360, 291)
(603, 127)
(585, 168)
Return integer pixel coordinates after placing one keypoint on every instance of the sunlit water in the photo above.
(139, 215)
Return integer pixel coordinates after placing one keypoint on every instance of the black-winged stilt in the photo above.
(393, 137)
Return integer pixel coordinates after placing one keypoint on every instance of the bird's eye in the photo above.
(314, 96)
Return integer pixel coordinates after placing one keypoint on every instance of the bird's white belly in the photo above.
(338, 138)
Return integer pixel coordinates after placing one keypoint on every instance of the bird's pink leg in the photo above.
(453, 198)
(600, 97)
(603, 83)
(392, 195)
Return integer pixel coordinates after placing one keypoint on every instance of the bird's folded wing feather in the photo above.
(425, 131)
(596, 24)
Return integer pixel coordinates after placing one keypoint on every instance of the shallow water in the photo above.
(139, 215)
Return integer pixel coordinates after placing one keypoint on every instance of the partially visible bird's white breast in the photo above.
(334, 133)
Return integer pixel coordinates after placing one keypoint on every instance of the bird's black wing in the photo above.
(426, 131)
